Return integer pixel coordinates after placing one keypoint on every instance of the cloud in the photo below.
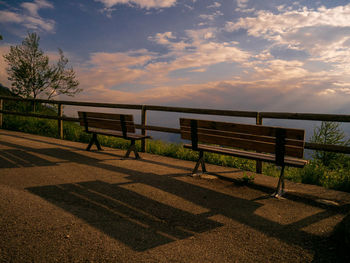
(214, 5)
(28, 17)
(33, 7)
(314, 93)
(242, 6)
(267, 83)
(272, 26)
(242, 3)
(10, 17)
(258, 80)
(107, 70)
(211, 17)
(147, 4)
(195, 52)
(323, 33)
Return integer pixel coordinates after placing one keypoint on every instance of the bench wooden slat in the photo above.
(260, 146)
(248, 155)
(108, 116)
(107, 121)
(254, 137)
(92, 119)
(294, 134)
(108, 124)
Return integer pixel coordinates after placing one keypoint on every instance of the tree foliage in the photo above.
(329, 133)
(32, 75)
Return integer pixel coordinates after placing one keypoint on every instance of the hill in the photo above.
(4, 91)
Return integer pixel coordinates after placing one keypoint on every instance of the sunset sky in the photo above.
(274, 55)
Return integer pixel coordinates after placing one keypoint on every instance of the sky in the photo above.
(275, 55)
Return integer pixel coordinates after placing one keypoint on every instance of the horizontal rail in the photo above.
(78, 103)
(327, 147)
(306, 116)
(249, 114)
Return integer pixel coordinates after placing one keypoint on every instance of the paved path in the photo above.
(59, 203)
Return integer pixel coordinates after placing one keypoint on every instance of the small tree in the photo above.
(329, 133)
(32, 75)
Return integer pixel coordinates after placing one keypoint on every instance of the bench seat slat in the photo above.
(295, 134)
(245, 144)
(249, 155)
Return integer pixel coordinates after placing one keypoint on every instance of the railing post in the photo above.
(1, 107)
(143, 130)
(258, 166)
(60, 121)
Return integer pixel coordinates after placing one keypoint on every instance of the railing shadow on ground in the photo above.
(117, 211)
(135, 220)
(16, 158)
(109, 153)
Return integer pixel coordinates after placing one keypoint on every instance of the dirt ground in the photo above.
(60, 203)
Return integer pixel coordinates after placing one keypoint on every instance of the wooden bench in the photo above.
(117, 125)
(282, 146)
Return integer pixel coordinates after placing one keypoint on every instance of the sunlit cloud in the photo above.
(33, 7)
(197, 51)
(242, 93)
(295, 28)
(215, 5)
(211, 17)
(242, 6)
(140, 3)
(28, 17)
(323, 33)
(108, 70)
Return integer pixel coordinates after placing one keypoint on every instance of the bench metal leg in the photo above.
(132, 147)
(92, 141)
(200, 162)
(280, 186)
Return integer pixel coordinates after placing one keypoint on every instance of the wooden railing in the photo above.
(258, 116)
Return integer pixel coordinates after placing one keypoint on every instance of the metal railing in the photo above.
(258, 116)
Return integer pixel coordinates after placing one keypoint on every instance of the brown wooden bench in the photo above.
(282, 146)
(117, 125)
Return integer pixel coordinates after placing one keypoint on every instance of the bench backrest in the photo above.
(108, 121)
(266, 139)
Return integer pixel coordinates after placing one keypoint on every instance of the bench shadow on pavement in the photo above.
(135, 220)
(143, 223)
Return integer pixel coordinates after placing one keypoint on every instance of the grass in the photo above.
(314, 173)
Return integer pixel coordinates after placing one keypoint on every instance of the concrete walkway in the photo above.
(60, 203)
